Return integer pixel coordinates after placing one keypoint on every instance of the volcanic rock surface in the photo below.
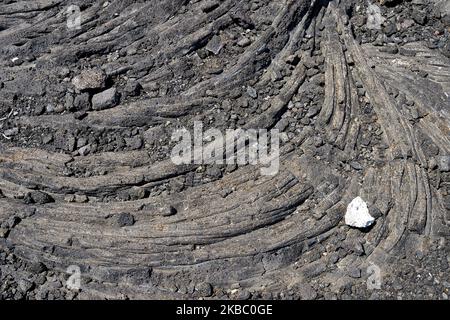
(86, 178)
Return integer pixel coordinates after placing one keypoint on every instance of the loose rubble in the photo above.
(357, 214)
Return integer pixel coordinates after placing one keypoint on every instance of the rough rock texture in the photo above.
(357, 214)
(364, 112)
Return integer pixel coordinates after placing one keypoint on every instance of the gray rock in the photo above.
(419, 17)
(39, 109)
(47, 138)
(80, 198)
(69, 101)
(306, 292)
(83, 151)
(69, 198)
(69, 143)
(312, 111)
(11, 132)
(137, 193)
(214, 172)
(3, 232)
(132, 88)
(167, 211)
(134, 193)
(16, 61)
(204, 289)
(444, 163)
(390, 28)
(105, 99)
(252, 92)
(210, 6)
(356, 165)
(215, 70)
(214, 45)
(11, 222)
(243, 295)
(89, 79)
(25, 285)
(244, 42)
(318, 141)
(81, 102)
(374, 17)
(38, 197)
(354, 272)
(293, 59)
(447, 202)
(125, 219)
(81, 142)
(139, 276)
(37, 267)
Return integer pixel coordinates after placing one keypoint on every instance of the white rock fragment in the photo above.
(357, 214)
(214, 45)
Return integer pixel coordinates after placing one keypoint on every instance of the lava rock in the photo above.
(210, 6)
(444, 163)
(134, 143)
(137, 193)
(306, 292)
(38, 197)
(11, 132)
(37, 267)
(294, 60)
(66, 142)
(168, 211)
(389, 49)
(374, 17)
(357, 214)
(39, 109)
(47, 138)
(132, 88)
(244, 42)
(390, 29)
(3, 233)
(139, 276)
(252, 92)
(214, 45)
(80, 198)
(81, 102)
(204, 289)
(419, 17)
(83, 151)
(354, 272)
(134, 193)
(25, 285)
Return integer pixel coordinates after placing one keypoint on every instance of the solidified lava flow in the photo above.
(92, 92)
